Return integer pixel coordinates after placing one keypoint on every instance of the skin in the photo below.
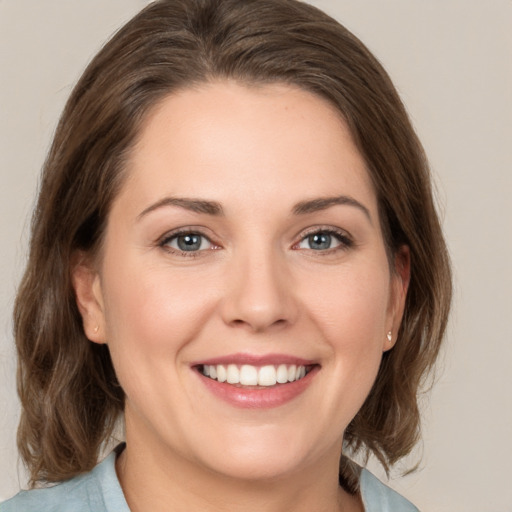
(256, 286)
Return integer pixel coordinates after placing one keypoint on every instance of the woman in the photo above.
(235, 253)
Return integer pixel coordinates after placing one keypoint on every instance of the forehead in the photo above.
(225, 140)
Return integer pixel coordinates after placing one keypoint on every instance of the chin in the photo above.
(267, 453)
(257, 467)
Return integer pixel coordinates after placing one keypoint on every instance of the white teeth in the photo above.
(267, 376)
(233, 374)
(249, 375)
(221, 373)
(282, 374)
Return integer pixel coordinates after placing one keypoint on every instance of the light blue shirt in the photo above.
(100, 491)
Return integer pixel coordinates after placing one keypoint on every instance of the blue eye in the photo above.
(187, 242)
(319, 241)
(324, 240)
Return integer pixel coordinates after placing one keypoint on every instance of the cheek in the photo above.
(151, 316)
(352, 304)
(152, 313)
(352, 314)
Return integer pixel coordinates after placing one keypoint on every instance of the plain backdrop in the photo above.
(451, 60)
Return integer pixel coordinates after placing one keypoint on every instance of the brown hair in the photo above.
(69, 392)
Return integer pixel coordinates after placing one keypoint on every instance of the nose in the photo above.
(259, 293)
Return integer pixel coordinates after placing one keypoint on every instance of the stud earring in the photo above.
(96, 329)
(389, 336)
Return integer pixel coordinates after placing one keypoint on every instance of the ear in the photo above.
(400, 279)
(89, 297)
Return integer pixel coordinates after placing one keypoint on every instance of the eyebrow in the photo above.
(215, 208)
(193, 205)
(322, 203)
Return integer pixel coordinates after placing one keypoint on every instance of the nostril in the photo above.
(256, 325)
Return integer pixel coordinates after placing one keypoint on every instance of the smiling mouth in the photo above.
(247, 375)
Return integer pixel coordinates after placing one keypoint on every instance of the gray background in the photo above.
(452, 63)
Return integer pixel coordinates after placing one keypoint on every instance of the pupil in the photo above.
(189, 242)
(320, 241)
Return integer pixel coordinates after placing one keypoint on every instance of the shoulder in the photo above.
(378, 497)
(97, 491)
(71, 496)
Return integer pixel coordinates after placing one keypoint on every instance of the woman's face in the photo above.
(244, 247)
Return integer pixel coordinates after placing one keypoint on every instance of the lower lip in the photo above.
(259, 398)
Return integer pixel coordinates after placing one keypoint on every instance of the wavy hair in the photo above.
(70, 396)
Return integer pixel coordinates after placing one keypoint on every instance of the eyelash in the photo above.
(169, 237)
(341, 236)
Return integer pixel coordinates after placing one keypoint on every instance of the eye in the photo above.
(187, 242)
(323, 240)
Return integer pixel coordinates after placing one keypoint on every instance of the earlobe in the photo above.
(88, 294)
(400, 284)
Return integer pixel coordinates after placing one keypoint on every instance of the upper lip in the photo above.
(256, 360)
